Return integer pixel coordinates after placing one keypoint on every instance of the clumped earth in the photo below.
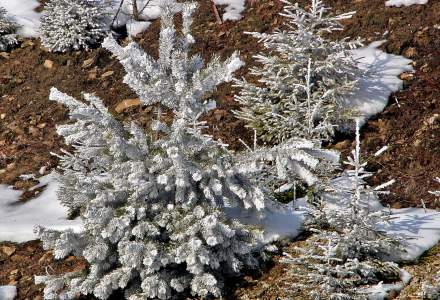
(410, 124)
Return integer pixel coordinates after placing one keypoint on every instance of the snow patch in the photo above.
(17, 220)
(23, 12)
(136, 27)
(420, 227)
(8, 292)
(233, 9)
(277, 224)
(374, 91)
(399, 3)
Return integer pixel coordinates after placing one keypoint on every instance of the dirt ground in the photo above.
(410, 125)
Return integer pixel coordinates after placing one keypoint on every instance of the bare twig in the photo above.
(216, 14)
(117, 13)
(135, 10)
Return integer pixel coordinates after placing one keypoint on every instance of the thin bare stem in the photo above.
(216, 14)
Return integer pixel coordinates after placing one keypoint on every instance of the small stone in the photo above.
(15, 273)
(46, 258)
(71, 258)
(27, 43)
(2, 116)
(8, 250)
(127, 103)
(407, 76)
(41, 125)
(396, 205)
(410, 52)
(48, 64)
(343, 145)
(92, 74)
(4, 55)
(107, 74)
(88, 62)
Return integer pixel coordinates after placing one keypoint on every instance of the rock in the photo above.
(107, 74)
(410, 52)
(4, 55)
(27, 43)
(2, 116)
(396, 205)
(127, 103)
(343, 145)
(93, 73)
(407, 76)
(88, 62)
(41, 125)
(46, 258)
(14, 274)
(8, 250)
(48, 64)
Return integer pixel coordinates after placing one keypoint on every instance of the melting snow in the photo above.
(233, 9)
(23, 12)
(8, 292)
(399, 3)
(277, 224)
(17, 221)
(136, 27)
(384, 68)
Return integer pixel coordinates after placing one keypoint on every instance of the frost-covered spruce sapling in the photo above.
(304, 80)
(152, 205)
(69, 25)
(348, 249)
(358, 216)
(8, 30)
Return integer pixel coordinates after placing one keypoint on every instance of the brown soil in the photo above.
(410, 124)
(20, 263)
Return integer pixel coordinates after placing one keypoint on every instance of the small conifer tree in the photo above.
(303, 81)
(68, 25)
(152, 204)
(8, 29)
(348, 249)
